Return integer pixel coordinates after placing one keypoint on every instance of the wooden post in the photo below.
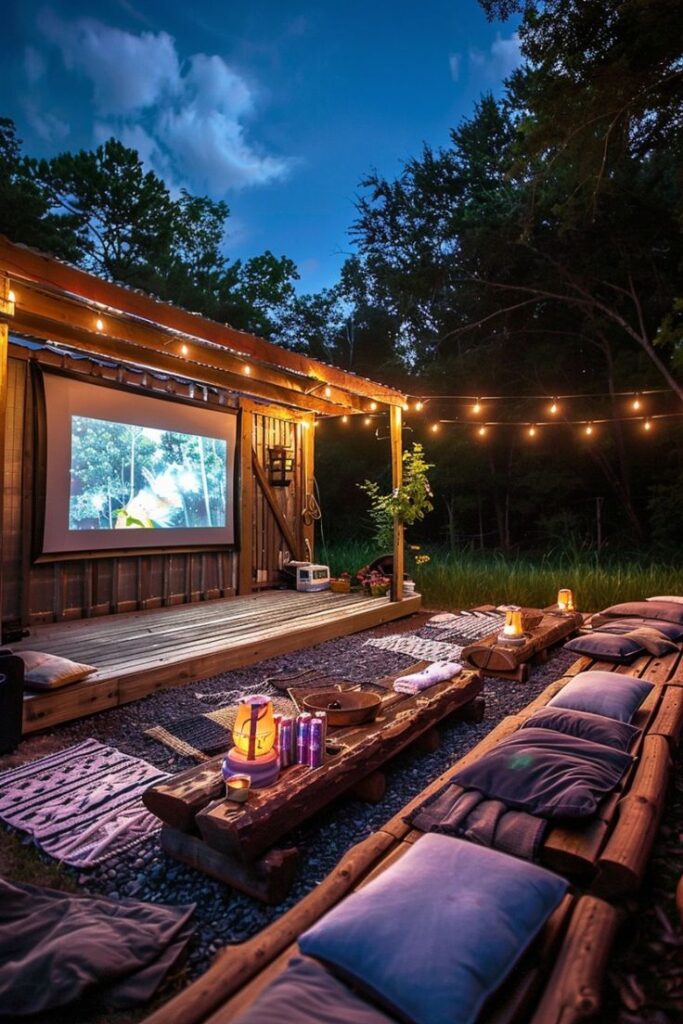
(308, 456)
(246, 497)
(396, 418)
(6, 310)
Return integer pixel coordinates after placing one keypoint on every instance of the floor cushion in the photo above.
(676, 598)
(669, 611)
(549, 774)
(603, 693)
(595, 728)
(616, 647)
(438, 932)
(48, 671)
(671, 630)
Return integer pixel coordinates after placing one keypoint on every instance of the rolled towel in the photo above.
(437, 672)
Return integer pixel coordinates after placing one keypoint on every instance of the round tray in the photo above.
(356, 707)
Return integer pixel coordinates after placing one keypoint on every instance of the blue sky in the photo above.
(277, 107)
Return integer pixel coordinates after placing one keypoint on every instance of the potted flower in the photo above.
(341, 584)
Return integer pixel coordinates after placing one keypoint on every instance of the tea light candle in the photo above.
(565, 600)
(237, 788)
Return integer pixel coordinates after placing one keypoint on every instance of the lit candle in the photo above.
(565, 600)
(237, 788)
(513, 623)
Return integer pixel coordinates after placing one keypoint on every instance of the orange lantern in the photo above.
(254, 730)
(513, 624)
(565, 600)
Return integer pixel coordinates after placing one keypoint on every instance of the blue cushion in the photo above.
(605, 646)
(546, 773)
(306, 993)
(603, 693)
(595, 728)
(439, 931)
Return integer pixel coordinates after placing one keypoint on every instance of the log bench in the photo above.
(234, 843)
(507, 661)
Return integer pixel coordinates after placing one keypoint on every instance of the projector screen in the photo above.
(123, 470)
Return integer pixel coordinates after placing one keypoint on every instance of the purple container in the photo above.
(316, 743)
(322, 715)
(285, 747)
(303, 735)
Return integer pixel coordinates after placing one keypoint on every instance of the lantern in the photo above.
(565, 600)
(254, 734)
(513, 624)
(280, 466)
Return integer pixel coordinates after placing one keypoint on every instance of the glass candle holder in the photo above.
(237, 788)
(565, 600)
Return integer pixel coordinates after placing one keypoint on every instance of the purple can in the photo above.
(303, 735)
(286, 752)
(316, 743)
(322, 715)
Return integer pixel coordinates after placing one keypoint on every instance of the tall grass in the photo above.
(463, 580)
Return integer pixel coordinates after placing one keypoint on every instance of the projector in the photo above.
(307, 577)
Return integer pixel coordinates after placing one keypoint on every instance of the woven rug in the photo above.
(415, 647)
(204, 735)
(464, 628)
(82, 805)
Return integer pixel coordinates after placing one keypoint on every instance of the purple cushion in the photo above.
(671, 630)
(668, 611)
(595, 728)
(546, 773)
(603, 693)
(605, 646)
(306, 993)
(437, 933)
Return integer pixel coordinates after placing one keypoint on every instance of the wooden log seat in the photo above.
(512, 662)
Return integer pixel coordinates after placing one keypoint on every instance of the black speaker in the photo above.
(11, 700)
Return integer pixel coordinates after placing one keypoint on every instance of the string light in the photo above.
(328, 391)
(482, 431)
(647, 425)
(419, 406)
(435, 428)
(589, 429)
(373, 406)
(247, 370)
(367, 421)
(11, 297)
(635, 405)
(532, 431)
(345, 418)
(99, 324)
(476, 408)
(405, 407)
(184, 349)
(554, 407)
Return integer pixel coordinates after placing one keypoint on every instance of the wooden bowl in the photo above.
(531, 618)
(354, 707)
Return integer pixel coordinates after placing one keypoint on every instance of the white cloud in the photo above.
(454, 65)
(46, 126)
(34, 64)
(501, 59)
(186, 120)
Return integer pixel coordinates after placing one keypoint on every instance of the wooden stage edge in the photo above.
(139, 653)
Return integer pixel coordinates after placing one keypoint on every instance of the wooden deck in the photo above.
(141, 652)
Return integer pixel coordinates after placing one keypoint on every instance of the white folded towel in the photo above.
(442, 619)
(437, 672)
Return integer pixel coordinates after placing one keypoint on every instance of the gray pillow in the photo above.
(603, 693)
(605, 646)
(669, 611)
(438, 932)
(595, 728)
(306, 993)
(671, 630)
(546, 773)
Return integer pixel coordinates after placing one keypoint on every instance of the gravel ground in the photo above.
(223, 916)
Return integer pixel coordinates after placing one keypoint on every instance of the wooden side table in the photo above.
(508, 661)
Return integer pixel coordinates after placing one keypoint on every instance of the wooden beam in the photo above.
(63, 312)
(269, 493)
(396, 429)
(4, 333)
(246, 502)
(23, 264)
(152, 359)
(308, 471)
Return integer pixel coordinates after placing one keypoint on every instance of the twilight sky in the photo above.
(278, 107)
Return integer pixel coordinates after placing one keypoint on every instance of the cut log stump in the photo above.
(428, 742)
(371, 789)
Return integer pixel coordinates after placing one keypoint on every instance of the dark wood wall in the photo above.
(78, 588)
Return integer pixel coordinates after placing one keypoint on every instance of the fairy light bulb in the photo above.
(405, 407)
(99, 324)
(419, 406)
(247, 370)
(345, 418)
(482, 431)
(647, 425)
(434, 428)
(328, 391)
(476, 408)
(589, 429)
(184, 350)
(554, 407)
(367, 421)
(373, 406)
(532, 431)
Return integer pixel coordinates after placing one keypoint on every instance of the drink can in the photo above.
(277, 718)
(286, 741)
(322, 716)
(303, 735)
(316, 743)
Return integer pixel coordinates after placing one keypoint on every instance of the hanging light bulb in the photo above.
(247, 370)
(373, 406)
(589, 429)
(328, 391)
(367, 421)
(476, 408)
(99, 324)
(434, 428)
(532, 430)
(184, 350)
(419, 406)
(554, 408)
(482, 431)
(405, 407)
(345, 418)
(636, 403)
(647, 425)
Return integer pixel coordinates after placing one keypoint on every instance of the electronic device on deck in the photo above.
(307, 577)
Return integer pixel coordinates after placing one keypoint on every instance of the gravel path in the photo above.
(223, 916)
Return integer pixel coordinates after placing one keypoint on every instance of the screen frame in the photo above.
(139, 545)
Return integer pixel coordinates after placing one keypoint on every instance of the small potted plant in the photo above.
(342, 583)
(378, 584)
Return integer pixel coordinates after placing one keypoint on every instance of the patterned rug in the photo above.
(464, 628)
(415, 647)
(82, 805)
(209, 733)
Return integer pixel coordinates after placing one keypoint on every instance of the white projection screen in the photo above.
(124, 470)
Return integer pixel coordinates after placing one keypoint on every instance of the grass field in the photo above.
(462, 580)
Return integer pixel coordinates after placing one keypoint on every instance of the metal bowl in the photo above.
(344, 707)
